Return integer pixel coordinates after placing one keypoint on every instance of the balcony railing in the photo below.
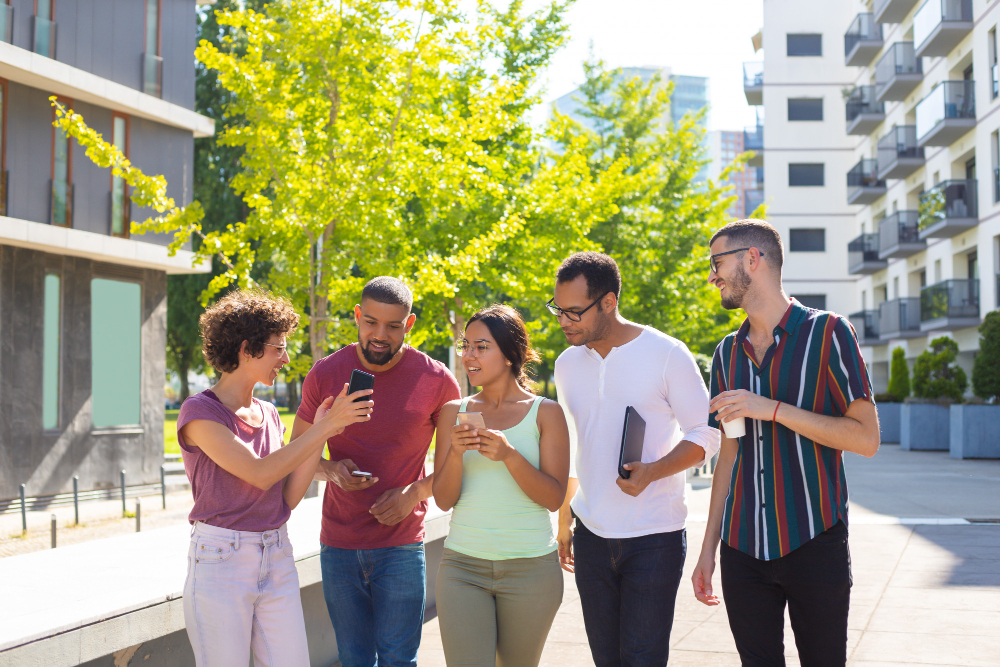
(949, 208)
(753, 140)
(863, 184)
(899, 235)
(152, 75)
(863, 111)
(61, 204)
(752, 199)
(898, 72)
(947, 113)
(753, 82)
(862, 255)
(863, 40)
(950, 304)
(892, 11)
(899, 318)
(759, 173)
(3, 193)
(939, 25)
(43, 41)
(7, 23)
(898, 152)
(866, 325)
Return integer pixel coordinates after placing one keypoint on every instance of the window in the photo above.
(61, 205)
(805, 45)
(3, 144)
(50, 352)
(805, 109)
(153, 27)
(43, 39)
(994, 74)
(115, 340)
(806, 240)
(816, 301)
(119, 196)
(152, 63)
(805, 174)
(995, 154)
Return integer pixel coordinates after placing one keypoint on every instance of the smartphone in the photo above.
(473, 419)
(361, 380)
(359, 473)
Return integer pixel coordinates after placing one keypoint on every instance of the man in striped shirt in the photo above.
(779, 499)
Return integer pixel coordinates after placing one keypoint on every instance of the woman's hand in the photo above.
(336, 414)
(494, 446)
(464, 438)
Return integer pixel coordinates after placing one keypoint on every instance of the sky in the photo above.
(694, 37)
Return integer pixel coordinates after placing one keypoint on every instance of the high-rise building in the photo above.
(82, 304)
(748, 183)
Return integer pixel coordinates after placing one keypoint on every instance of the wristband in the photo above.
(775, 415)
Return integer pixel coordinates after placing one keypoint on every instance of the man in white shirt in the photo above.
(629, 541)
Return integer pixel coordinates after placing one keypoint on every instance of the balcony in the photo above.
(899, 318)
(152, 74)
(940, 25)
(759, 172)
(862, 256)
(752, 199)
(949, 305)
(43, 37)
(892, 11)
(864, 113)
(899, 235)
(897, 73)
(949, 208)
(865, 325)
(753, 83)
(947, 113)
(862, 41)
(898, 153)
(753, 140)
(863, 183)
(61, 204)
(6, 23)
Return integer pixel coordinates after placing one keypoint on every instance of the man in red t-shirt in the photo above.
(372, 555)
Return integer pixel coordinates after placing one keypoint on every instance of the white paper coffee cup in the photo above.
(736, 428)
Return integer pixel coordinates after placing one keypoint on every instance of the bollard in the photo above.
(76, 500)
(53, 531)
(138, 514)
(163, 484)
(124, 512)
(24, 514)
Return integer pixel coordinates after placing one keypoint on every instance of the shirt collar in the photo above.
(794, 315)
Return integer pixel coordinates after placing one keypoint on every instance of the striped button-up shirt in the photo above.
(785, 489)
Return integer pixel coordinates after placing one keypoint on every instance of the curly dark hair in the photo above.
(508, 330)
(244, 315)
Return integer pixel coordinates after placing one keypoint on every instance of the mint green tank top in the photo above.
(493, 518)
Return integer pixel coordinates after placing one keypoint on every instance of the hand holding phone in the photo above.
(473, 419)
(362, 474)
(361, 380)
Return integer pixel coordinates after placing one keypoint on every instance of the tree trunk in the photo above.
(292, 392)
(185, 389)
(458, 368)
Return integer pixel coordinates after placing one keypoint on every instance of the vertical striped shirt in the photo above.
(785, 489)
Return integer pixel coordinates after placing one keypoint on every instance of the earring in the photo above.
(508, 363)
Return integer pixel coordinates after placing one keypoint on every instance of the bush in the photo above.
(887, 397)
(986, 367)
(935, 373)
(899, 375)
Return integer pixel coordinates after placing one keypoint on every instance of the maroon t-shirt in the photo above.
(392, 445)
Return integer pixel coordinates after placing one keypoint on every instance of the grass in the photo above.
(170, 445)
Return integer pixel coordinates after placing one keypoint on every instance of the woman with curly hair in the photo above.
(499, 586)
(242, 589)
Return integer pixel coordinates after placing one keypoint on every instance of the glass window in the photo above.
(119, 202)
(115, 342)
(805, 174)
(152, 27)
(50, 352)
(806, 240)
(3, 143)
(805, 109)
(992, 53)
(816, 301)
(805, 44)
(62, 189)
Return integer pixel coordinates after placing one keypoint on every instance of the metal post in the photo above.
(163, 484)
(76, 500)
(53, 531)
(124, 512)
(138, 514)
(24, 513)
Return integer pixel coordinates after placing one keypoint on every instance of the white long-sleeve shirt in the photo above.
(658, 376)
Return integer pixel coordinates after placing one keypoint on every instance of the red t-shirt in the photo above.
(392, 445)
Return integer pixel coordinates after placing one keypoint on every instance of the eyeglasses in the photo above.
(281, 348)
(571, 315)
(467, 349)
(715, 265)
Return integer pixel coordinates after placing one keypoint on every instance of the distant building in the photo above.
(748, 183)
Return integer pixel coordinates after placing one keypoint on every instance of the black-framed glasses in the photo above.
(571, 315)
(715, 266)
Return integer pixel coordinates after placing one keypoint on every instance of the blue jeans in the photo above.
(375, 598)
(627, 591)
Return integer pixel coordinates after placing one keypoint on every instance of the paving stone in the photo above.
(929, 649)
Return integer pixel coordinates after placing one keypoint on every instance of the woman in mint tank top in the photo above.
(499, 585)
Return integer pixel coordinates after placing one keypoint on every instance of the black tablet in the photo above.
(633, 433)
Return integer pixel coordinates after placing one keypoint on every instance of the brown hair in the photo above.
(752, 233)
(508, 330)
(244, 315)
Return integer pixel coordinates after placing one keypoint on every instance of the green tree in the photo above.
(986, 367)
(936, 373)
(899, 375)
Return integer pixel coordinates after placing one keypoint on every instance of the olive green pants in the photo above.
(496, 612)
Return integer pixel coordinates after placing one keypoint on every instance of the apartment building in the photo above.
(748, 183)
(83, 304)
(926, 177)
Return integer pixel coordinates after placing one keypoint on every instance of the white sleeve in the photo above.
(688, 399)
(561, 397)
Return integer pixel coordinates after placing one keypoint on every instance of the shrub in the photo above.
(936, 374)
(899, 375)
(887, 397)
(986, 367)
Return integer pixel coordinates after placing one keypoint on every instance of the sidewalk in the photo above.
(923, 594)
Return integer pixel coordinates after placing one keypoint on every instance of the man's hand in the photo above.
(642, 476)
(395, 505)
(740, 403)
(565, 539)
(339, 472)
(702, 579)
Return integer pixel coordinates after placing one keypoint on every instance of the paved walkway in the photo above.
(924, 594)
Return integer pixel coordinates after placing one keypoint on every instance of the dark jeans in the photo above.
(627, 591)
(815, 581)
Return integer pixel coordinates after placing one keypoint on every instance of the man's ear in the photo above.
(357, 314)
(410, 321)
(609, 302)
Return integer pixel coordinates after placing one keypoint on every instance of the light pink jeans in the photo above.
(242, 593)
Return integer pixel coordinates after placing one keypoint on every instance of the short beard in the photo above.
(378, 358)
(737, 289)
(602, 326)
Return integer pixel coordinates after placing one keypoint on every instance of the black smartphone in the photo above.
(360, 380)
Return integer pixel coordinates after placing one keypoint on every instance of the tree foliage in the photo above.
(899, 375)
(936, 374)
(986, 367)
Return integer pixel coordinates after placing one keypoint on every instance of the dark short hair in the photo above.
(599, 270)
(244, 315)
(751, 233)
(386, 289)
(508, 330)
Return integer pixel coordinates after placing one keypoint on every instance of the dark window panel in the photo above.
(805, 44)
(805, 109)
(805, 174)
(807, 240)
(817, 301)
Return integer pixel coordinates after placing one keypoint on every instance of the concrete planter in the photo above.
(924, 426)
(975, 432)
(888, 421)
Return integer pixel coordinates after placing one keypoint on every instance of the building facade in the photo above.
(83, 305)
(747, 184)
